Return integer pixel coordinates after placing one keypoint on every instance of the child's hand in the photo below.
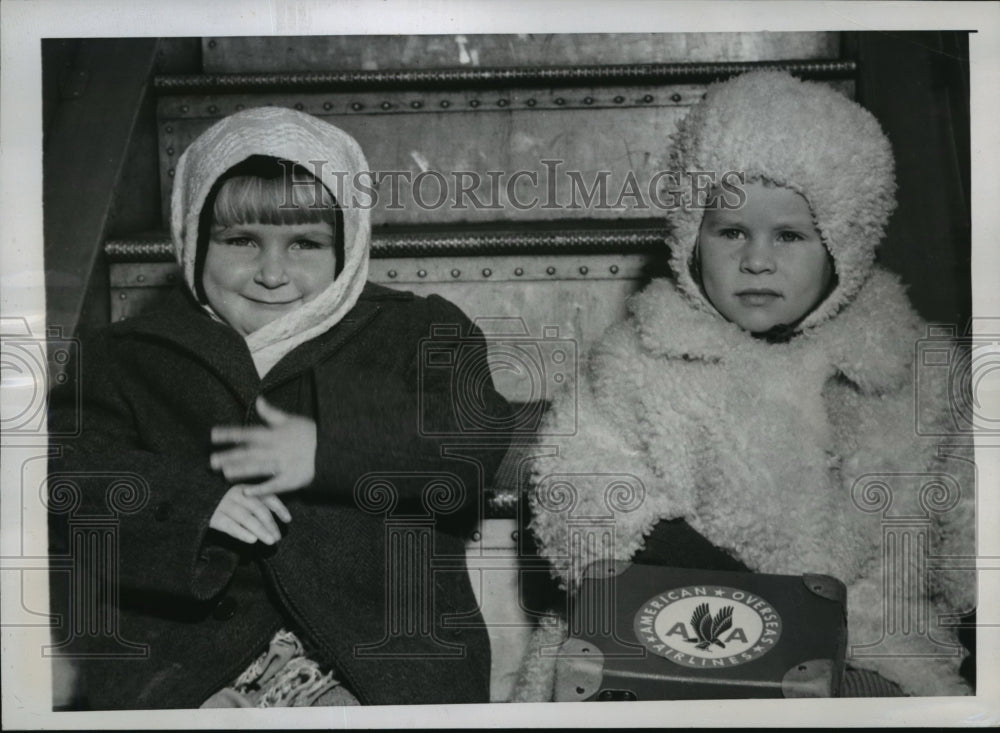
(283, 451)
(248, 518)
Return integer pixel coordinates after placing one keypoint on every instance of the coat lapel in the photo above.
(323, 346)
(180, 322)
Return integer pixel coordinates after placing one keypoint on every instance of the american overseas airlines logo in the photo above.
(708, 626)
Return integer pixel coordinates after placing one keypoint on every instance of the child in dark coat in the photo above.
(272, 429)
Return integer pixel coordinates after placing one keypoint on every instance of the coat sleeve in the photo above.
(160, 505)
(952, 505)
(416, 422)
(596, 489)
(899, 455)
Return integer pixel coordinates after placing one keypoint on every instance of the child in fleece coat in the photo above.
(761, 395)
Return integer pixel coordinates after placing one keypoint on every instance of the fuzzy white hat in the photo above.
(803, 135)
(317, 146)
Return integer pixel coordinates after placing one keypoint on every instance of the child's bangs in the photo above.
(295, 198)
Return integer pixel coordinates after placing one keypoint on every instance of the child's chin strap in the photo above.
(780, 334)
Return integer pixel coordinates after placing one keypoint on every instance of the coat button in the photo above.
(161, 512)
(224, 609)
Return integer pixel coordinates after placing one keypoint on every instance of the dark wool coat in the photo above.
(204, 605)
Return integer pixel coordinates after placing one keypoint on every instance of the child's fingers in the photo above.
(277, 506)
(222, 434)
(271, 414)
(250, 470)
(231, 527)
(258, 515)
(242, 463)
(268, 488)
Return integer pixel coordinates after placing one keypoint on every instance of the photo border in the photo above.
(25, 674)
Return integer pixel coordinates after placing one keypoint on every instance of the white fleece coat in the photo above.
(783, 454)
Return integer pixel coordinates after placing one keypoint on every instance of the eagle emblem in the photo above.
(709, 629)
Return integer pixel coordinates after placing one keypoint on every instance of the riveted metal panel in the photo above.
(455, 156)
(312, 53)
(481, 155)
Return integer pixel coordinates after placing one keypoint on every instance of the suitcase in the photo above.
(645, 632)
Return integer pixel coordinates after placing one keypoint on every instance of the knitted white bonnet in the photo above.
(803, 135)
(289, 135)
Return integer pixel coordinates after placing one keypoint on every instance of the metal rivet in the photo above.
(299, 106)
(648, 98)
(531, 102)
(122, 296)
(170, 151)
(614, 269)
(675, 97)
(474, 103)
(519, 271)
(513, 535)
(416, 104)
(356, 106)
(550, 270)
(212, 109)
(184, 108)
(169, 128)
(445, 104)
(503, 102)
(588, 100)
(327, 105)
(487, 272)
(476, 536)
(392, 273)
(421, 273)
(141, 278)
(619, 99)
(211, 44)
(386, 105)
(456, 273)
(584, 270)
(560, 101)
(170, 172)
(239, 107)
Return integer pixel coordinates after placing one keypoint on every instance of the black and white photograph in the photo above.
(444, 364)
